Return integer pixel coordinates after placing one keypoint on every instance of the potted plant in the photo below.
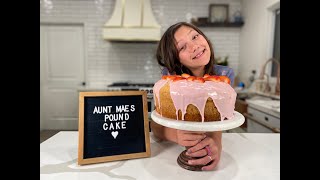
(222, 61)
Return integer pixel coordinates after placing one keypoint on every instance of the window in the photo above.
(276, 43)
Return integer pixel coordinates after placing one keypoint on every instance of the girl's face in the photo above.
(193, 48)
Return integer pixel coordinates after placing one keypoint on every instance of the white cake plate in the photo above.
(236, 121)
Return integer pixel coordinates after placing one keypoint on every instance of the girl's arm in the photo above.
(163, 132)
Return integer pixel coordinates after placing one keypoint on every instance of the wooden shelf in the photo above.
(208, 24)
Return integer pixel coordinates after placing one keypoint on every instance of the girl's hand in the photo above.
(209, 150)
(189, 138)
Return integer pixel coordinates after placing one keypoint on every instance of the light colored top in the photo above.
(244, 156)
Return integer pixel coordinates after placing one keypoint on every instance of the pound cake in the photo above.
(190, 98)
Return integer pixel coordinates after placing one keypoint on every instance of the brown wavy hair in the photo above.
(168, 55)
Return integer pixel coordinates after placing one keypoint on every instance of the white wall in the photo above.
(256, 36)
(108, 62)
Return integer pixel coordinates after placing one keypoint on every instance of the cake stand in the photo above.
(182, 160)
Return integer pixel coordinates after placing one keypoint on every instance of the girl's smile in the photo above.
(199, 54)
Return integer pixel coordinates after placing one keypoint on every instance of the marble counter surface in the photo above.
(265, 105)
(245, 156)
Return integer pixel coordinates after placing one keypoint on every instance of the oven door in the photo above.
(150, 106)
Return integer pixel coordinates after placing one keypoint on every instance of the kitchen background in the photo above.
(103, 62)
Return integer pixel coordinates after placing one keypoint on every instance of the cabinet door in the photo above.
(262, 121)
(253, 127)
(242, 107)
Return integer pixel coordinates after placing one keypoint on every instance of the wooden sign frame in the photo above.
(82, 95)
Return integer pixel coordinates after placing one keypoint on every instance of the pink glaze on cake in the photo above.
(185, 92)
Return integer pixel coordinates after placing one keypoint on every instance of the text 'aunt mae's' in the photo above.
(115, 120)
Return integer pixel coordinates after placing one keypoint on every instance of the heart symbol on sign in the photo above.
(114, 134)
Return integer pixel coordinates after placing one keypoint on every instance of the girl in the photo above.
(184, 48)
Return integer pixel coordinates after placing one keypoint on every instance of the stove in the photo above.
(127, 86)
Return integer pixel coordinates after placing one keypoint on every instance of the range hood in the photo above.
(132, 20)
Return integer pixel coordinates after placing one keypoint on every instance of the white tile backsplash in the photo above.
(108, 62)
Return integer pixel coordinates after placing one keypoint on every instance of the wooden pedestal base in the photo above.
(183, 162)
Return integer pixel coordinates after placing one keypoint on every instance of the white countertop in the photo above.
(245, 156)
